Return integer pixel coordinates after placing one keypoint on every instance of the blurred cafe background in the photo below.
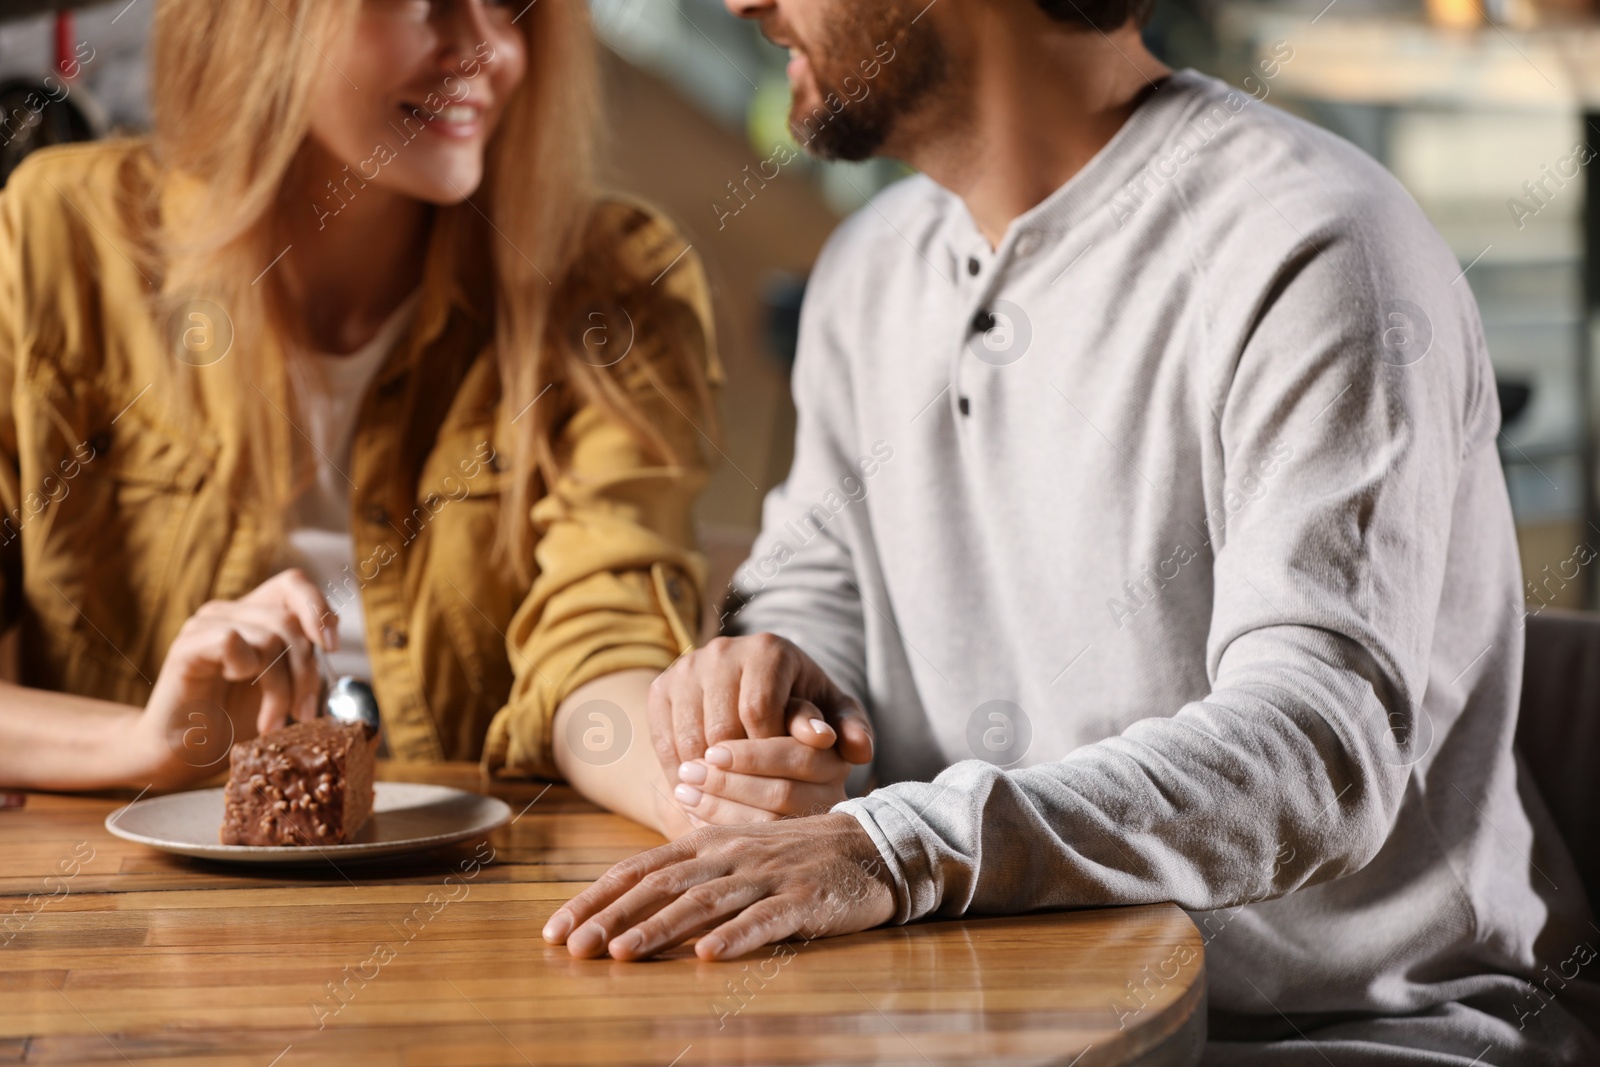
(1483, 109)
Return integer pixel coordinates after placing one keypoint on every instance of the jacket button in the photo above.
(395, 637)
(983, 321)
(378, 516)
(675, 588)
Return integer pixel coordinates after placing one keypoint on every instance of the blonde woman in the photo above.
(348, 357)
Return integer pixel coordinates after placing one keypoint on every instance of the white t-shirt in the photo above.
(319, 528)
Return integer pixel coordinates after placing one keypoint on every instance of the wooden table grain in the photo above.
(112, 953)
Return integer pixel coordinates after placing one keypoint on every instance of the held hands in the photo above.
(237, 668)
(747, 730)
(750, 729)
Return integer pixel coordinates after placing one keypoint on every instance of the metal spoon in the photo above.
(349, 699)
(352, 700)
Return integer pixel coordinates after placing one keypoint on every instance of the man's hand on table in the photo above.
(751, 885)
(750, 729)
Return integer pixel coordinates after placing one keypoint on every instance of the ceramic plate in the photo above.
(406, 817)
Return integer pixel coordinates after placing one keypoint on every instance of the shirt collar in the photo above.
(1129, 151)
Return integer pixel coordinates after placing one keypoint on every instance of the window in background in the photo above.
(726, 67)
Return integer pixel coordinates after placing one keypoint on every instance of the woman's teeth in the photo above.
(449, 115)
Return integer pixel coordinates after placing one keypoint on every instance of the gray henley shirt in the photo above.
(1169, 549)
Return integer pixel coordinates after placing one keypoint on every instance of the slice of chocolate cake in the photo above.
(307, 784)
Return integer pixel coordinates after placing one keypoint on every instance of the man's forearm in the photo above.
(59, 741)
(628, 782)
(1236, 799)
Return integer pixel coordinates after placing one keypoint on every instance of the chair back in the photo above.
(1558, 730)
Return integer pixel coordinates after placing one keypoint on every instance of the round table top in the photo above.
(140, 957)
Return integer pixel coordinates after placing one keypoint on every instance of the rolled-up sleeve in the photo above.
(619, 581)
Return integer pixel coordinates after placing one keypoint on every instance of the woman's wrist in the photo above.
(671, 822)
(54, 740)
(141, 750)
(137, 754)
(625, 778)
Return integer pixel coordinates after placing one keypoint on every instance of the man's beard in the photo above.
(864, 112)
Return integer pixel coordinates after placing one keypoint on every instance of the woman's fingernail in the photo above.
(693, 773)
(820, 726)
(559, 926)
(713, 945)
(718, 756)
(687, 795)
(629, 942)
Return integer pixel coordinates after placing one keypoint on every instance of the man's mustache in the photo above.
(777, 32)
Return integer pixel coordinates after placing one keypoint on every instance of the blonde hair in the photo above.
(231, 95)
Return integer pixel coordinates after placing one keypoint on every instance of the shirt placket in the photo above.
(377, 507)
(998, 332)
(978, 283)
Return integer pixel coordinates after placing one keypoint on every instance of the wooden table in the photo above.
(137, 957)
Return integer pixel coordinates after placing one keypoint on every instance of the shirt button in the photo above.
(101, 443)
(434, 501)
(494, 463)
(395, 637)
(983, 321)
(392, 386)
(1027, 244)
(973, 266)
(965, 405)
(378, 516)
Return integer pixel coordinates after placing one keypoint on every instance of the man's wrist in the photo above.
(887, 865)
(869, 884)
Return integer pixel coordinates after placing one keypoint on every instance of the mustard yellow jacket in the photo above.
(115, 527)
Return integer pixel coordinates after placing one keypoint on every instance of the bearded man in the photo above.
(1184, 569)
